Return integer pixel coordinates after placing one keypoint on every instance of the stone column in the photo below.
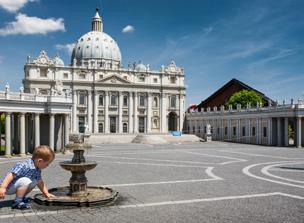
(130, 112)
(222, 130)
(229, 129)
(135, 119)
(66, 129)
(258, 136)
(149, 113)
(299, 133)
(37, 129)
(238, 130)
(279, 131)
(120, 104)
(22, 134)
(52, 130)
(96, 97)
(89, 109)
(106, 113)
(181, 112)
(286, 138)
(270, 131)
(248, 131)
(8, 139)
(74, 113)
(164, 128)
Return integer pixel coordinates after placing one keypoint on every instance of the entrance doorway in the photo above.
(113, 125)
(141, 124)
(172, 125)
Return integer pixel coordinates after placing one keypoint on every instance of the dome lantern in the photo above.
(97, 22)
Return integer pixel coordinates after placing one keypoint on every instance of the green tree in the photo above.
(2, 124)
(244, 97)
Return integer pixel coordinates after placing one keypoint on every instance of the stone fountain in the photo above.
(78, 193)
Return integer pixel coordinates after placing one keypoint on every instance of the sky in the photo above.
(259, 42)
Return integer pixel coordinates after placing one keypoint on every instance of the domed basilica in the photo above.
(108, 98)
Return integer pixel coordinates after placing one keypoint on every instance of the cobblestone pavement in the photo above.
(198, 182)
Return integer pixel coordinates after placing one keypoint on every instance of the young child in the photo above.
(26, 175)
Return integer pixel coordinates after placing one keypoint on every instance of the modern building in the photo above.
(106, 97)
(222, 95)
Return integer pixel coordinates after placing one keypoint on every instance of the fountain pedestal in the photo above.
(78, 193)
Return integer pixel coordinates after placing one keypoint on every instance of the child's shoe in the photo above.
(20, 205)
(26, 200)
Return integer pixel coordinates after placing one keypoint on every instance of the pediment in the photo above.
(114, 79)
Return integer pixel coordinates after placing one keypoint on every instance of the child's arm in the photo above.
(44, 189)
(5, 184)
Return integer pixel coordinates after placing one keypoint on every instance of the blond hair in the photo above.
(43, 152)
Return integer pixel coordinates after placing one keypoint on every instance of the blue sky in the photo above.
(261, 43)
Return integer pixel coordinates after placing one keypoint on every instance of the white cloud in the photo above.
(13, 5)
(66, 47)
(26, 25)
(128, 29)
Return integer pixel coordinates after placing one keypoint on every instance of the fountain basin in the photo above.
(94, 196)
(77, 167)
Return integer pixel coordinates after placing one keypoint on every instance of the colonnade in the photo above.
(272, 131)
(25, 131)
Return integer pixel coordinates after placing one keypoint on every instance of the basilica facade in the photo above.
(106, 97)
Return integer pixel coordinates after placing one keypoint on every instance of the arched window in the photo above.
(155, 102)
(125, 127)
(100, 100)
(100, 128)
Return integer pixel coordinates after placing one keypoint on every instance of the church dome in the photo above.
(141, 67)
(96, 45)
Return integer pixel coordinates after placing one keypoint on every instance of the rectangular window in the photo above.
(234, 130)
(265, 131)
(43, 72)
(125, 101)
(81, 98)
(253, 131)
(141, 100)
(65, 75)
(154, 80)
(243, 131)
(100, 100)
(81, 124)
(218, 131)
(173, 80)
(82, 76)
(113, 100)
(141, 79)
(226, 130)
